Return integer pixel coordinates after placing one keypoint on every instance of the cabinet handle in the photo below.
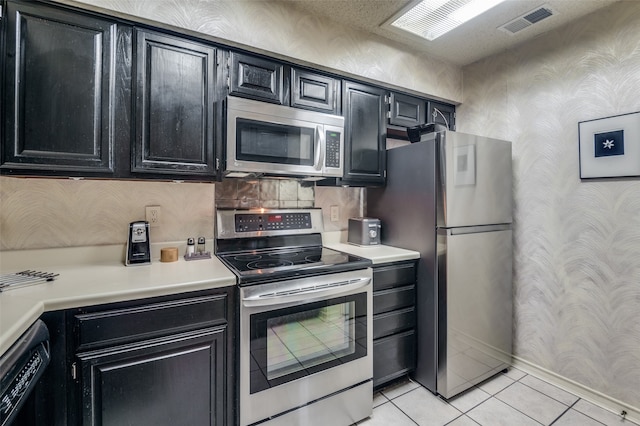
(74, 371)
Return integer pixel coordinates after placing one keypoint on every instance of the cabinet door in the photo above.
(365, 135)
(406, 111)
(257, 78)
(442, 113)
(393, 357)
(315, 92)
(60, 90)
(170, 381)
(175, 106)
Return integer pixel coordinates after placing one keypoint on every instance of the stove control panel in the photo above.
(272, 222)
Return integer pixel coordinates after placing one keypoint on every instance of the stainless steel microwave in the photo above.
(271, 139)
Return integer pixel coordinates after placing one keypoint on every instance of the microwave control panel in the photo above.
(333, 149)
(272, 222)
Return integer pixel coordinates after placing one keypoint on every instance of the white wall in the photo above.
(577, 243)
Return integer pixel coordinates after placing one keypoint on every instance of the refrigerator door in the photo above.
(475, 306)
(474, 176)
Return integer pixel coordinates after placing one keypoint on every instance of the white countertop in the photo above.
(97, 275)
(94, 277)
(377, 253)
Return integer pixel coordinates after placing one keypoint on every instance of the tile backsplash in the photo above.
(291, 193)
(268, 193)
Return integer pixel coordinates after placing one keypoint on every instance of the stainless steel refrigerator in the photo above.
(449, 196)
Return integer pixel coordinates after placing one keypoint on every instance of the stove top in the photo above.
(269, 245)
(289, 261)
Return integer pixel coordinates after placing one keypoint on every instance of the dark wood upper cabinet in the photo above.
(84, 94)
(406, 111)
(315, 91)
(63, 82)
(257, 78)
(442, 113)
(175, 88)
(365, 135)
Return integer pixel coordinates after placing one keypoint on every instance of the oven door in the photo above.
(303, 340)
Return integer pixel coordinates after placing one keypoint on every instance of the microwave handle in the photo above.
(320, 148)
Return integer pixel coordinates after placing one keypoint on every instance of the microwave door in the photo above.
(275, 146)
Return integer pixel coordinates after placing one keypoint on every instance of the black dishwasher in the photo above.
(20, 368)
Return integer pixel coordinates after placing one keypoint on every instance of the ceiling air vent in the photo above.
(526, 20)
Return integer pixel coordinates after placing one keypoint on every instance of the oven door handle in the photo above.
(305, 294)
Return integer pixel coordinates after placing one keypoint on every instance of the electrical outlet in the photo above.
(335, 213)
(153, 215)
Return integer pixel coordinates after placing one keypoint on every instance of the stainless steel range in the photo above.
(305, 319)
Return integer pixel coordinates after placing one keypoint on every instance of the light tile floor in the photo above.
(509, 399)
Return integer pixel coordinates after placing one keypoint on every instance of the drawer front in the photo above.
(394, 275)
(394, 298)
(117, 326)
(393, 356)
(392, 322)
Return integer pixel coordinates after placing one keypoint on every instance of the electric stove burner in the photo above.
(313, 258)
(267, 264)
(285, 254)
(245, 257)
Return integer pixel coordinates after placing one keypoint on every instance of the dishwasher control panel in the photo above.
(20, 368)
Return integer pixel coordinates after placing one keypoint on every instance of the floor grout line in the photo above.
(491, 395)
(565, 412)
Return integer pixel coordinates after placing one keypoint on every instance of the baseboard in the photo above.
(584, 392)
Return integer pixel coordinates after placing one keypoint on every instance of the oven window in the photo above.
(274, 143)
(291, 343)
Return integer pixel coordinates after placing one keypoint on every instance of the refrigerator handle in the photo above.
(474, 229)
(441, 178)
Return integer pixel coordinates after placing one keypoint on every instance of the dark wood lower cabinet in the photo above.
(167, 381)
(394, 321)
(162, 361)
(393, 357)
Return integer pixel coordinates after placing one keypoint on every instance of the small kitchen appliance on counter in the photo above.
(364, 231)
(138, 247)
(306, 319)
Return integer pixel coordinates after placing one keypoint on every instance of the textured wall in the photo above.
(577, 244)
(277, 27)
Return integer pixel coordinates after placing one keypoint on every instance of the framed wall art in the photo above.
(610, 147)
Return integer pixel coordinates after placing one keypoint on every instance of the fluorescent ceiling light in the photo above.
(432, 18)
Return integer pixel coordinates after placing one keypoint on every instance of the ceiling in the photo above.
(477, 39)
